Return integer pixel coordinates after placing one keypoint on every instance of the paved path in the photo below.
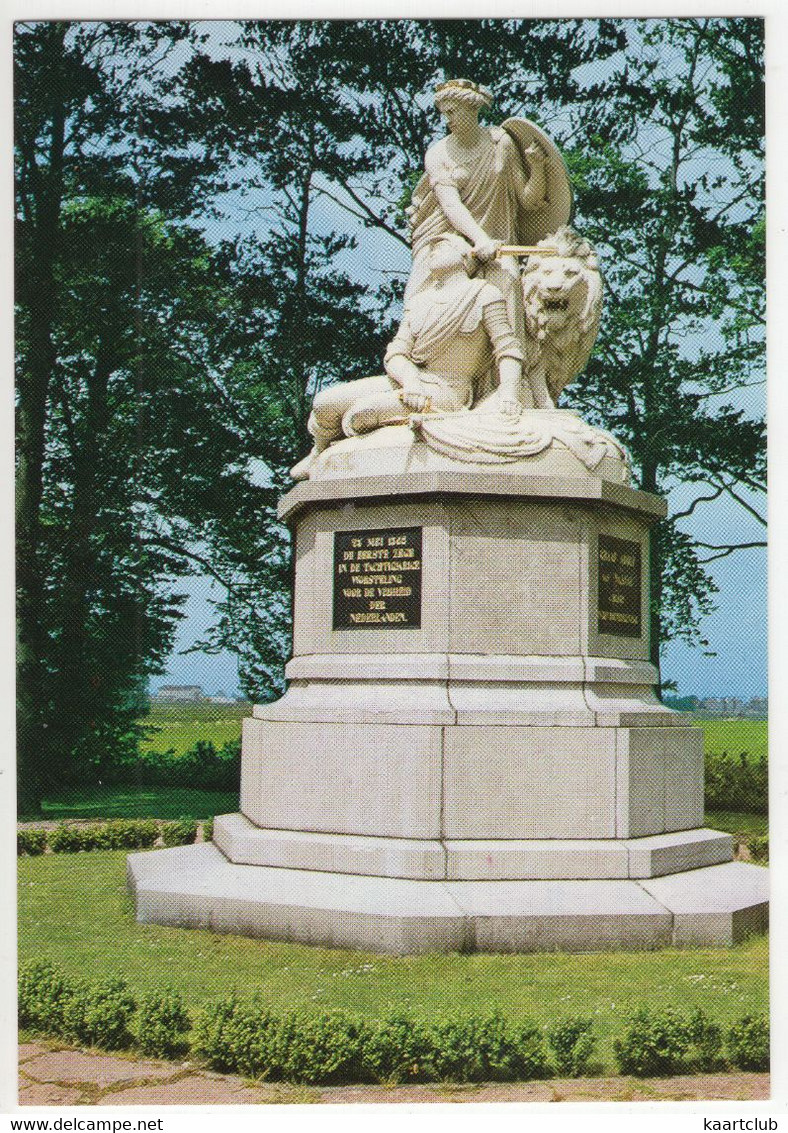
(50, 1074)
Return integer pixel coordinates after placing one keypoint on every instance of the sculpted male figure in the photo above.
(454, 331)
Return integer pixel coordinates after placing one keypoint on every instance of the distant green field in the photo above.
(735, 736)
(180, 726)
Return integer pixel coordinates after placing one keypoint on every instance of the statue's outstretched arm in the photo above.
(462, 221)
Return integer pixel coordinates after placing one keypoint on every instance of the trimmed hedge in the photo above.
(758, 846)
(748, 1043)
(163, 1024)
(487, 1049)
(661, 1043)
(94, 1014)
(99, 1014)
(737, 782)
(31, 841)
(44, 995)
(399, 1049)
(572, 1044)
(117, 834)
(179, 833)
(246, 1037)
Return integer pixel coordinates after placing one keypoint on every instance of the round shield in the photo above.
(557, 209)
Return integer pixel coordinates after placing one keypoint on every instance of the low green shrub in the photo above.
(531, 1057)
(126, 834)
(207, 831)
(706, 1042)
(31, 840)
(117, 834)
(248, 1039)
(69, 838)
(748, 1043)
(486, 1048)
(654, 1045)
(179, 833)
(758, 846)
(44, 995)
(162, 1025)
(99, 1014)
(215, 1030)
(737, 783)
(321, 1050)
(572, 1044)
(398, 1049)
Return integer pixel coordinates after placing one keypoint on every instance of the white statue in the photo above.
(452, 333)
(484, 347)
(500, 185)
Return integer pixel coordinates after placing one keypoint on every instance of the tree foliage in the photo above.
(129, 476)
(669, 178)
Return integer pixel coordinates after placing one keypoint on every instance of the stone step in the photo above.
(470, 859)
(197, 887)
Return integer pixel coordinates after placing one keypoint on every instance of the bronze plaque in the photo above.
(619, 587)
(377, 579)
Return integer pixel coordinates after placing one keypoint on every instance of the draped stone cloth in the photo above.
(487, 182)
(484, 437)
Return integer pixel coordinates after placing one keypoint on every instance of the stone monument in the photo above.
(470, 753)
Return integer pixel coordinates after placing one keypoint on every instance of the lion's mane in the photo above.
(563, 302)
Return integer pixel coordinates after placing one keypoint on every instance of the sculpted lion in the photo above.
(562, 295)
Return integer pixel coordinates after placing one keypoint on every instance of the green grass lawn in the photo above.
(737, 822)
(735, 736)
(74, 910)
(180, 726)
(124, 801)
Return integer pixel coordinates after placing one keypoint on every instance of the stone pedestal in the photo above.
(470, 753)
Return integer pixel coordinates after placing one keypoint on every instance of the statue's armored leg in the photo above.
(328, 411)
(374, 411)
(504, 273)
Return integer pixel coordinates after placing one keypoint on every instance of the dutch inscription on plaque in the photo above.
(619, 587)
(377, 579)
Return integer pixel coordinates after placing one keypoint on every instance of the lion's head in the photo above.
(563, 302)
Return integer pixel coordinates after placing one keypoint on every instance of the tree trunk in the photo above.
(77, 677)
(37, 295)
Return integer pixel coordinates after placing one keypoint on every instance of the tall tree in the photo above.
(669, 178)
(128, 475)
